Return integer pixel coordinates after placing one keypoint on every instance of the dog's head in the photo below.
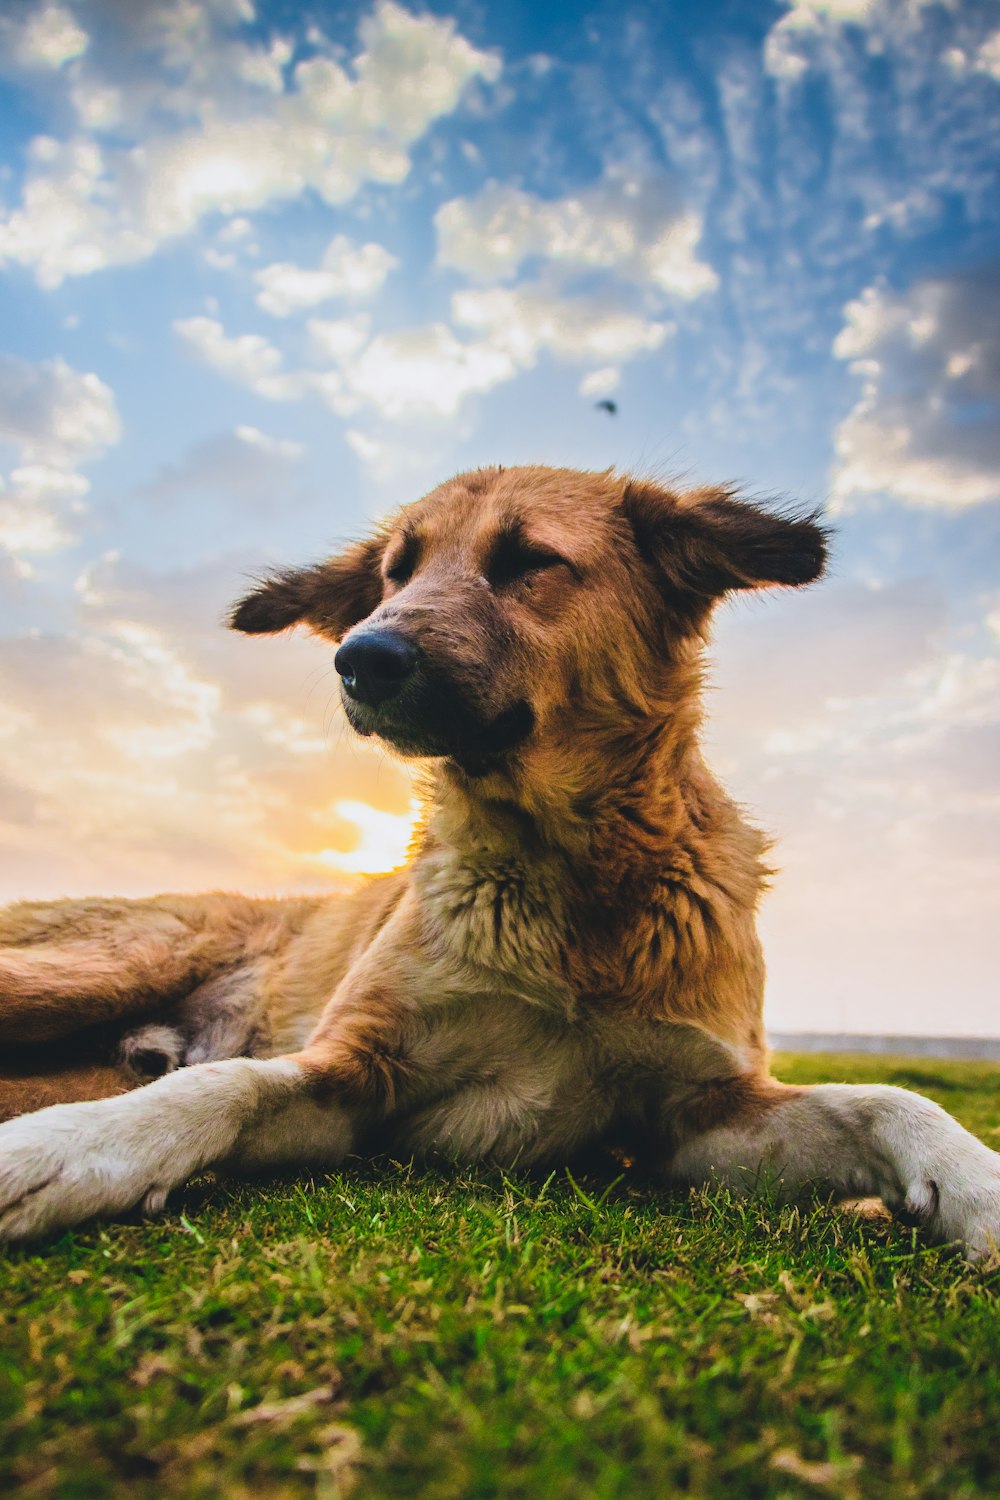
(511, 606)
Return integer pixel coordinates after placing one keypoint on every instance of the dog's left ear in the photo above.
(705, 542)
(330, 598)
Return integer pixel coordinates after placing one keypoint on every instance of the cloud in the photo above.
(808, 29)
(529, 319)
(988, 56)
(346, 270)
(926, 427)
(248, 359)
(425, 371)
(273, 448)
(245, 465)
(789, 46)
(862, 730)
(340, 338)
(252, 361)
(837, 646)
(54, 413)
(601, 382)
(431, 370)
(628, 223)
(149, 748)
(47, 38)
(812, 33)
(182, 115)
(55, 419)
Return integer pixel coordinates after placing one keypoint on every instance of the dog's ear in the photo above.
(705, 542)
(330, 598)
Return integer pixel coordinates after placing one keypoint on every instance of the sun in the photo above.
(384, 839)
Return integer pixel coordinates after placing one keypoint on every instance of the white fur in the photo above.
(516, 1085)
(850, 1140)
(66, 1163)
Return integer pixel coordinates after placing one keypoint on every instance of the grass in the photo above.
(393, 1332)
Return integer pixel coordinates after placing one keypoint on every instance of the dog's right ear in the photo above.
(330, 598)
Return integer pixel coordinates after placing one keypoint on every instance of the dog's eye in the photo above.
(514, 559)
(400, 565)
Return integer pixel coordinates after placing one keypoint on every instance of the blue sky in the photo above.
(267, 272)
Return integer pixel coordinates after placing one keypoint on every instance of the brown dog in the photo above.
(570, 956)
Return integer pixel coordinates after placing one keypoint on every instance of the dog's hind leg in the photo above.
(68, 965)
(31, 1082)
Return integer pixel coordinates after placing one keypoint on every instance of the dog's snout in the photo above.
(374, 664)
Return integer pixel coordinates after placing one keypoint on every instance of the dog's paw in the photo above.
(925, 1166)
(967, 1213)
(69, 1163)
(953, 1193)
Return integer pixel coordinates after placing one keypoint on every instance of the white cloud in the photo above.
(811, 31)
(524, 321)
(252, 361)
(339, 339)
(984, 58)
(789, 46)
(431, 370)
(46, 38)
(601, 382)
(280, 448)
(626, 224)
(425, 371)
(55, 419)
(988, 56)
(925, 427)
(53, 412)
(193, 119)
(235, 230)
(371, 451)
(346, 270)
(809, 13)
(28, 525)
(249, 359)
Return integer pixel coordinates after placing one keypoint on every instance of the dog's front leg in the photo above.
(846, 1140)
(67, 1163)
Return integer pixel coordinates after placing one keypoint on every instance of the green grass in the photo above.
(396, 1332)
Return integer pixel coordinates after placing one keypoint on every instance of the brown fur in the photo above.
(28, 1083)
(568, 960)
(596, 861)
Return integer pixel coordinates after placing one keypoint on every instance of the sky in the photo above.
(267, 272)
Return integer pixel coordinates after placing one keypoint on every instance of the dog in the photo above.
(567, 962)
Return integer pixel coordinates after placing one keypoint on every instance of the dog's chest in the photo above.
(502, 919)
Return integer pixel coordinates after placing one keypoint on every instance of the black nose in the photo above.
(375, 664)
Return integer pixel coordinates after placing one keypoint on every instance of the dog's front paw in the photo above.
(70, 1162)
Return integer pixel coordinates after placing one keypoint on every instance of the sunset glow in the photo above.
(383, 839)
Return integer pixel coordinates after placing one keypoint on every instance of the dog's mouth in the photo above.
(475, 747)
